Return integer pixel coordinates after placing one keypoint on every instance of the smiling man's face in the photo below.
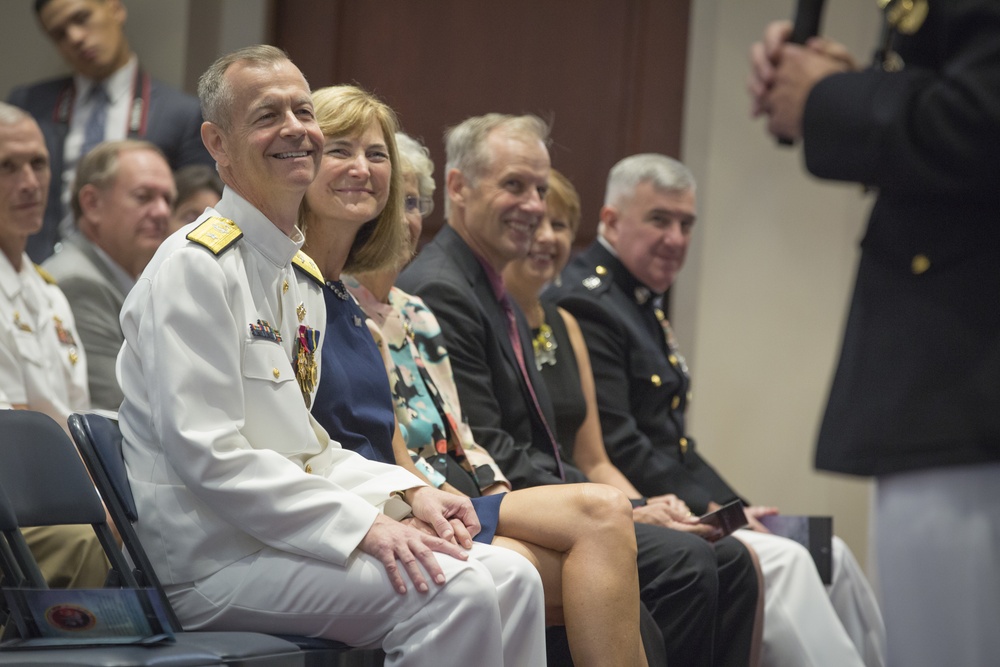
(502, 206)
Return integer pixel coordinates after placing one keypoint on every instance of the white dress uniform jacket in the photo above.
(222, 453)
(42, 363)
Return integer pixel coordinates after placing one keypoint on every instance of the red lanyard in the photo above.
(138, 108)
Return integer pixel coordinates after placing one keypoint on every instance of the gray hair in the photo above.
(10, 114)
(99, 167)
(215, 92)
(465, 144)
(416, 160)
(663, 172)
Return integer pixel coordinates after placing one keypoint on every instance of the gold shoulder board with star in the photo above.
(46, 276)
(216, 234)
(306, 265)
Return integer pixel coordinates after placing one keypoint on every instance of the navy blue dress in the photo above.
(354, 403)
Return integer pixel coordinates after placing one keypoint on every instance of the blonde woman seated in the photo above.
(579, 537)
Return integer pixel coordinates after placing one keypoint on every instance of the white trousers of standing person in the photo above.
(801, 626)
(489, 612)
(937, 543)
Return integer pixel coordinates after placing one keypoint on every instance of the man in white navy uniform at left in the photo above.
(108, 97)
(255, 518)
(42, 365)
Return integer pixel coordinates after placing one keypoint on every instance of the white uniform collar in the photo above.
(257, 230)
(10, 280)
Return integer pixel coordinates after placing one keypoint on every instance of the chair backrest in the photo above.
(17, 565)
(46, 483)
(44, 478)
(99, 440)
(105, 436)
(100, 443)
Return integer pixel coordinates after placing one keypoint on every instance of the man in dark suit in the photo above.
(702, 597)
(121, 201)
(108, 97)
(915, 400)
(614, 289)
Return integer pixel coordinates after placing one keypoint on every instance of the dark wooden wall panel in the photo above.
(608, 74)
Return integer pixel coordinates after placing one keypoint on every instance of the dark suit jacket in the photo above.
(173, 124)
(641, 395)
(918, 382)
(96, 298)
(495, 399)
(494, 396)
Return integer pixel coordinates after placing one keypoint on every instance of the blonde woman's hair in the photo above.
(343, 110)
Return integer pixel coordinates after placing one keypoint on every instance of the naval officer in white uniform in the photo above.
(255, 519)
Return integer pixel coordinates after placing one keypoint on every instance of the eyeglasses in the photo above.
(422, 204)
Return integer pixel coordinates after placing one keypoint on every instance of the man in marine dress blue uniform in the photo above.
(614, 289)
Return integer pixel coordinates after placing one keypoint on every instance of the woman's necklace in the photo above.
(544, 343)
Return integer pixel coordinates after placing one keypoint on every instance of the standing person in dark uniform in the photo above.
(109, 96)
(916, 399)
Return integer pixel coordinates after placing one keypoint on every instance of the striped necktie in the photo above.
(93, 132)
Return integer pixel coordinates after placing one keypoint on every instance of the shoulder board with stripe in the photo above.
(306, 265)
(216, 234)
(46, 276)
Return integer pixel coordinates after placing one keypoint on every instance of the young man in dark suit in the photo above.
(109, 96)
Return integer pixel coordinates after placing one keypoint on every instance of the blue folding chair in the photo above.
(100, 443)
(44, 483)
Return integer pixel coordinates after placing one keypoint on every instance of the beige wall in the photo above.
(760, 306)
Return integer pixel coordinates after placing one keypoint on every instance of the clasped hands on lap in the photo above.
(440, 523)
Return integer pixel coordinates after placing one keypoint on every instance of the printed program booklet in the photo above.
(815, 533)
(86, 617)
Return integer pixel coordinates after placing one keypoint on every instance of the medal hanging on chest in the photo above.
(305, 361)
(66, 338)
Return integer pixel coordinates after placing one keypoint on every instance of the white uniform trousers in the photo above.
(936, 534)
(856, 605)
(801, 627)
(489, 612)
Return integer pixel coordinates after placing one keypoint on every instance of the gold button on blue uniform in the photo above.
(919, 264)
